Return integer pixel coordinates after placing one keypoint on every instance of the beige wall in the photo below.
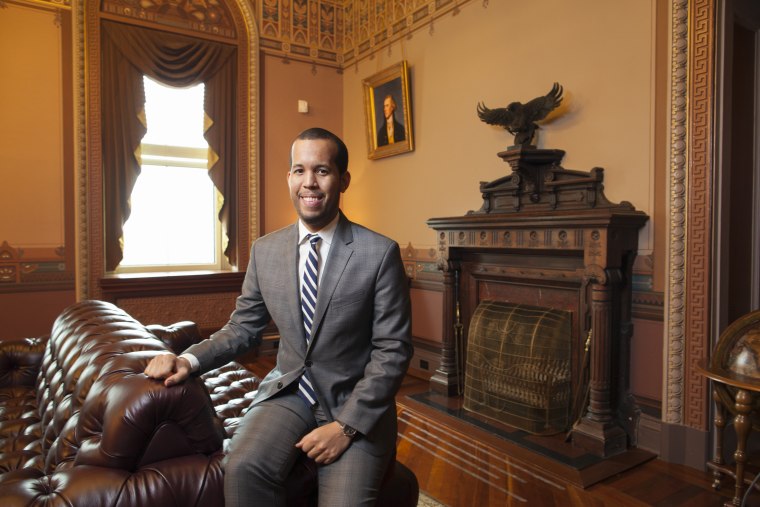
(283, 84)
(31, 130)
(600, 51)
(603, 53)
(36, 225)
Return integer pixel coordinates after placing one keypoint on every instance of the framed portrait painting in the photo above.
(388, 111)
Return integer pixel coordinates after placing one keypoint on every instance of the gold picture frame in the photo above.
(388, 92)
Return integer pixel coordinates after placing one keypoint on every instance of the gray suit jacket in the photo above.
(361, 345)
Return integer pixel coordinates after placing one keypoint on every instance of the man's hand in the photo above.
(170, 367)
(325, 444)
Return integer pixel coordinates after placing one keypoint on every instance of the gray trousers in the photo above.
(263, 452)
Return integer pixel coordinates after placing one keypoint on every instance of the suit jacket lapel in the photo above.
(340, 252)
(291, 273)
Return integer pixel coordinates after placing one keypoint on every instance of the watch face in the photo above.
(348, 430)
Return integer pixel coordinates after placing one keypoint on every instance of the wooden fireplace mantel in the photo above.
(548, 236)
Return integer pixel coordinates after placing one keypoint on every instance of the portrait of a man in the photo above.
(388, 112)
(391, 130)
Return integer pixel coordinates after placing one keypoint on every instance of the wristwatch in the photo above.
(348, 431)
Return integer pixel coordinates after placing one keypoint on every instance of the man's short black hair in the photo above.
(341, 157)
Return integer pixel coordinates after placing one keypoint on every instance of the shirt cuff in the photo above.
(195, 365)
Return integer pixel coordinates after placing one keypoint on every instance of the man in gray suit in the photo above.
(340, 361)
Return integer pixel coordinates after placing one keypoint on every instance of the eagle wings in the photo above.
(520, 119)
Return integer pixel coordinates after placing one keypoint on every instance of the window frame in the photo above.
(93, 280)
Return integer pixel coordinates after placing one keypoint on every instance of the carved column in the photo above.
(447, 378)
(598, 430)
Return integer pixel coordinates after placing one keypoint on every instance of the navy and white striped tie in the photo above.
(308, 304)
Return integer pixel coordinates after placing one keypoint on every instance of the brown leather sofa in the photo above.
(81, 425)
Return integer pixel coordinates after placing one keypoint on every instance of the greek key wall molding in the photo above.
(699, 221)
(690, 203)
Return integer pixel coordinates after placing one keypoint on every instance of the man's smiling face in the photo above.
(315, 182)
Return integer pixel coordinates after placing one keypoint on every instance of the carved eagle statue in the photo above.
(520, 119)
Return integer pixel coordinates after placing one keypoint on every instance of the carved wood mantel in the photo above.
(547, 236)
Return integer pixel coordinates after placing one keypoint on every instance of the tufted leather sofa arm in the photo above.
(88, 428)
(178, 336)
(20, 361)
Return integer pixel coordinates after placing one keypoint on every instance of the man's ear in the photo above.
(345, 180)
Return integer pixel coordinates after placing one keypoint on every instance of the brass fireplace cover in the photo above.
(518, 368)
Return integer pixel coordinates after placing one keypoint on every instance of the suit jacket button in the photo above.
(279, 385)
(308, 363)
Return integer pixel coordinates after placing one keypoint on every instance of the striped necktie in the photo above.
(308, 304)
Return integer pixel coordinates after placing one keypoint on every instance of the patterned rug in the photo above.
(426, 501)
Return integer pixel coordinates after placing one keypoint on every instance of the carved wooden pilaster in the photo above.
(598, 430)
(447, 378)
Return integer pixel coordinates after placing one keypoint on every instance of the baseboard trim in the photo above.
(684, 446)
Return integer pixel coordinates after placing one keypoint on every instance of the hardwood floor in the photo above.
(460, 466)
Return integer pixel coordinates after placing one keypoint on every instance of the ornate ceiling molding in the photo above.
(45, 4)
(335, 33)
(339, 33)
(208, 17)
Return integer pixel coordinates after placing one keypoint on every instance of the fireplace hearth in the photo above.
(547, 237)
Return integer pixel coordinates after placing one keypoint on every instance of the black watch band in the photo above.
(348, 431)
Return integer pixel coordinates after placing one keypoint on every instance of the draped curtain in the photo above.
(128, 53)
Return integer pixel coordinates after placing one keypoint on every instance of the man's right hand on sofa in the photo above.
(170, 367)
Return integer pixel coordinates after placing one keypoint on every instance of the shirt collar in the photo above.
(326, 233)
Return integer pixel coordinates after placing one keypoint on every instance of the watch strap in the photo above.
(347, 430)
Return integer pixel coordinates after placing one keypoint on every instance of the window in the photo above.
(173, 224)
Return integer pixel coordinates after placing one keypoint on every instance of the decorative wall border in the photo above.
(674, 343)
(80, 150)
(34, 269)
(421, 264)
(687, 342)
(699, 206)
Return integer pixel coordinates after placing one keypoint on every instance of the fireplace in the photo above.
(547, 237)
(518, 367)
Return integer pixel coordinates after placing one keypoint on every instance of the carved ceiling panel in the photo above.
(337, 33)
(204, 16)
(341, 32)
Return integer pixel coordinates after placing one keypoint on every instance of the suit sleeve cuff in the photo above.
(195, 365)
